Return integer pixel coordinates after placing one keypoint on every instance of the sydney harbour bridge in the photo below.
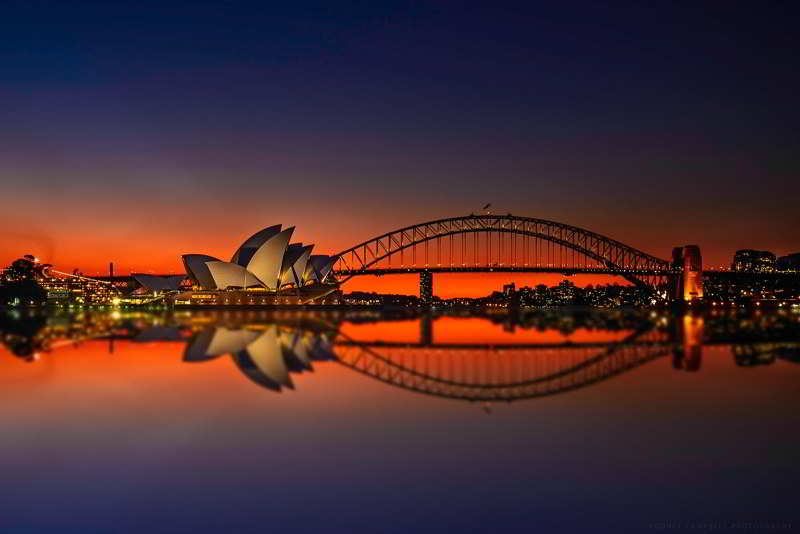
(489, 243)
(507, 244)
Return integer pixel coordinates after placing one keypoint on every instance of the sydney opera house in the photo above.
(265, 270)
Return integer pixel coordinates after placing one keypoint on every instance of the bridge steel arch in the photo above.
(375, 255)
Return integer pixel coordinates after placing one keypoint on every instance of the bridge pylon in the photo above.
(689, 287)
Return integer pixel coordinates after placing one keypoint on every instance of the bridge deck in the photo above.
(501, 269)
(555, 269)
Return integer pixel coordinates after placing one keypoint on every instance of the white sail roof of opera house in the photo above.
(198, 271)
(294, 264)
(299, 267)
(318, 267)
(245, 252)
(227, 275)
(265, 259)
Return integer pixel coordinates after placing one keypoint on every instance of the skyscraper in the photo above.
(759, 261)
(426, 287)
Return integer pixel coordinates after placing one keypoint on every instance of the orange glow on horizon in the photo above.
(469, 284)
(152, 241)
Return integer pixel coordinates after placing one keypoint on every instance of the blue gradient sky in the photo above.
(136, 132)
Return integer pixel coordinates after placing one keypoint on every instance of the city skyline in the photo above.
(451, 285)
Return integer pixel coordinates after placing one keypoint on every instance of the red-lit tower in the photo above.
(690, 285)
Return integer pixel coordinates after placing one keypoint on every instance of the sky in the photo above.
(133, 132)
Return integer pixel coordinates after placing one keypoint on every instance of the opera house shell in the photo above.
(266, 261)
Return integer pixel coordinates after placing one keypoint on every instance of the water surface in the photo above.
(300, 421)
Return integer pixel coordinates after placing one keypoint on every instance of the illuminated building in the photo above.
(509, 289)
(564, 293)
(265, 270)
(76, 289)
(56, 287)
(266, 260)
(757, 261)
(426, 287)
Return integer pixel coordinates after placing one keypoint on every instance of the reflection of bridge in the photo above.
(500, 243)
(484, 346)
(493, 373)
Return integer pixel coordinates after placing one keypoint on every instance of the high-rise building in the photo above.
(564, 293)
(426, 287)
(509, 289)
(756, 261)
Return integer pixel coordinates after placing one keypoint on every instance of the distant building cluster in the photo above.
(763, 261)
(361, 298)
(757, 278)
(752, 290)
(565, 293)
(28, 282)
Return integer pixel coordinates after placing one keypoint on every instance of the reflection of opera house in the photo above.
(267, 355)
(265, 270)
